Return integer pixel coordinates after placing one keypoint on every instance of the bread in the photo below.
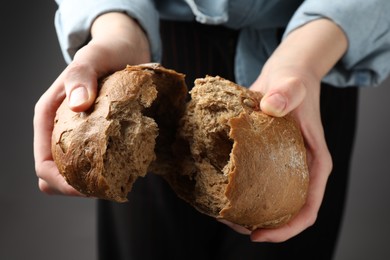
(103, 151)
(237, 163)
(218, 151)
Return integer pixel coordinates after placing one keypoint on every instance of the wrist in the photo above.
(313, 48)
(122, 36)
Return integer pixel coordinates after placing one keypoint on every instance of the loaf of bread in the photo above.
(218, 151)
(103, 151)
(237, 163)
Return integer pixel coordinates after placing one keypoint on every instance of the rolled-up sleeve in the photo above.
(74, 18)
(367, 27)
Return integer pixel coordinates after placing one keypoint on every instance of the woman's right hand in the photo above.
(117, 40)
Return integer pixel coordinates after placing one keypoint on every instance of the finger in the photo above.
(281, 99)
(320, 166)
(305, 219)
(80, 82)
(51, 181)
(308, 214)
(235, 227)
(43, 121)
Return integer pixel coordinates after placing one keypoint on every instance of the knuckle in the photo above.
(295, 85)
(44, 187)
(295, 81)
(329, 164)
(39, 170)
(75, 67)
(76, 70)
(38, 107)
(311, 220)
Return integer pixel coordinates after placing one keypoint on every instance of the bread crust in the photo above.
(269, 165)
(262, 179)
(101, 152)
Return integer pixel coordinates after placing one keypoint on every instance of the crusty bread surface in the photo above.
(243, 166)
(103, 151)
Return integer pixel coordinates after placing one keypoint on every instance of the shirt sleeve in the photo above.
(74, 18)
(366, 25)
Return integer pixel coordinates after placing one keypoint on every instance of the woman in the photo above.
(294, 52)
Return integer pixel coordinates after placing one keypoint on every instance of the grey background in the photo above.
(37, 226)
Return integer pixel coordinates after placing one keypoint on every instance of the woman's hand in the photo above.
(290, 82)
(117, 40)
(288, 90)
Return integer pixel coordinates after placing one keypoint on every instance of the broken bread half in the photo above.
(235, 162)
(101, 152)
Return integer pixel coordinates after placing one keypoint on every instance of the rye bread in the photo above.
(241, 164)
(101, 152)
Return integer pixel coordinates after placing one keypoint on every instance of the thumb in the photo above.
(80, 88)
(282, 99)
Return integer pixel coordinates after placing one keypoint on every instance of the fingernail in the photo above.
(78, 96)
(274, 104)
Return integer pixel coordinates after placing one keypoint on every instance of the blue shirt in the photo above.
(366, 24)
